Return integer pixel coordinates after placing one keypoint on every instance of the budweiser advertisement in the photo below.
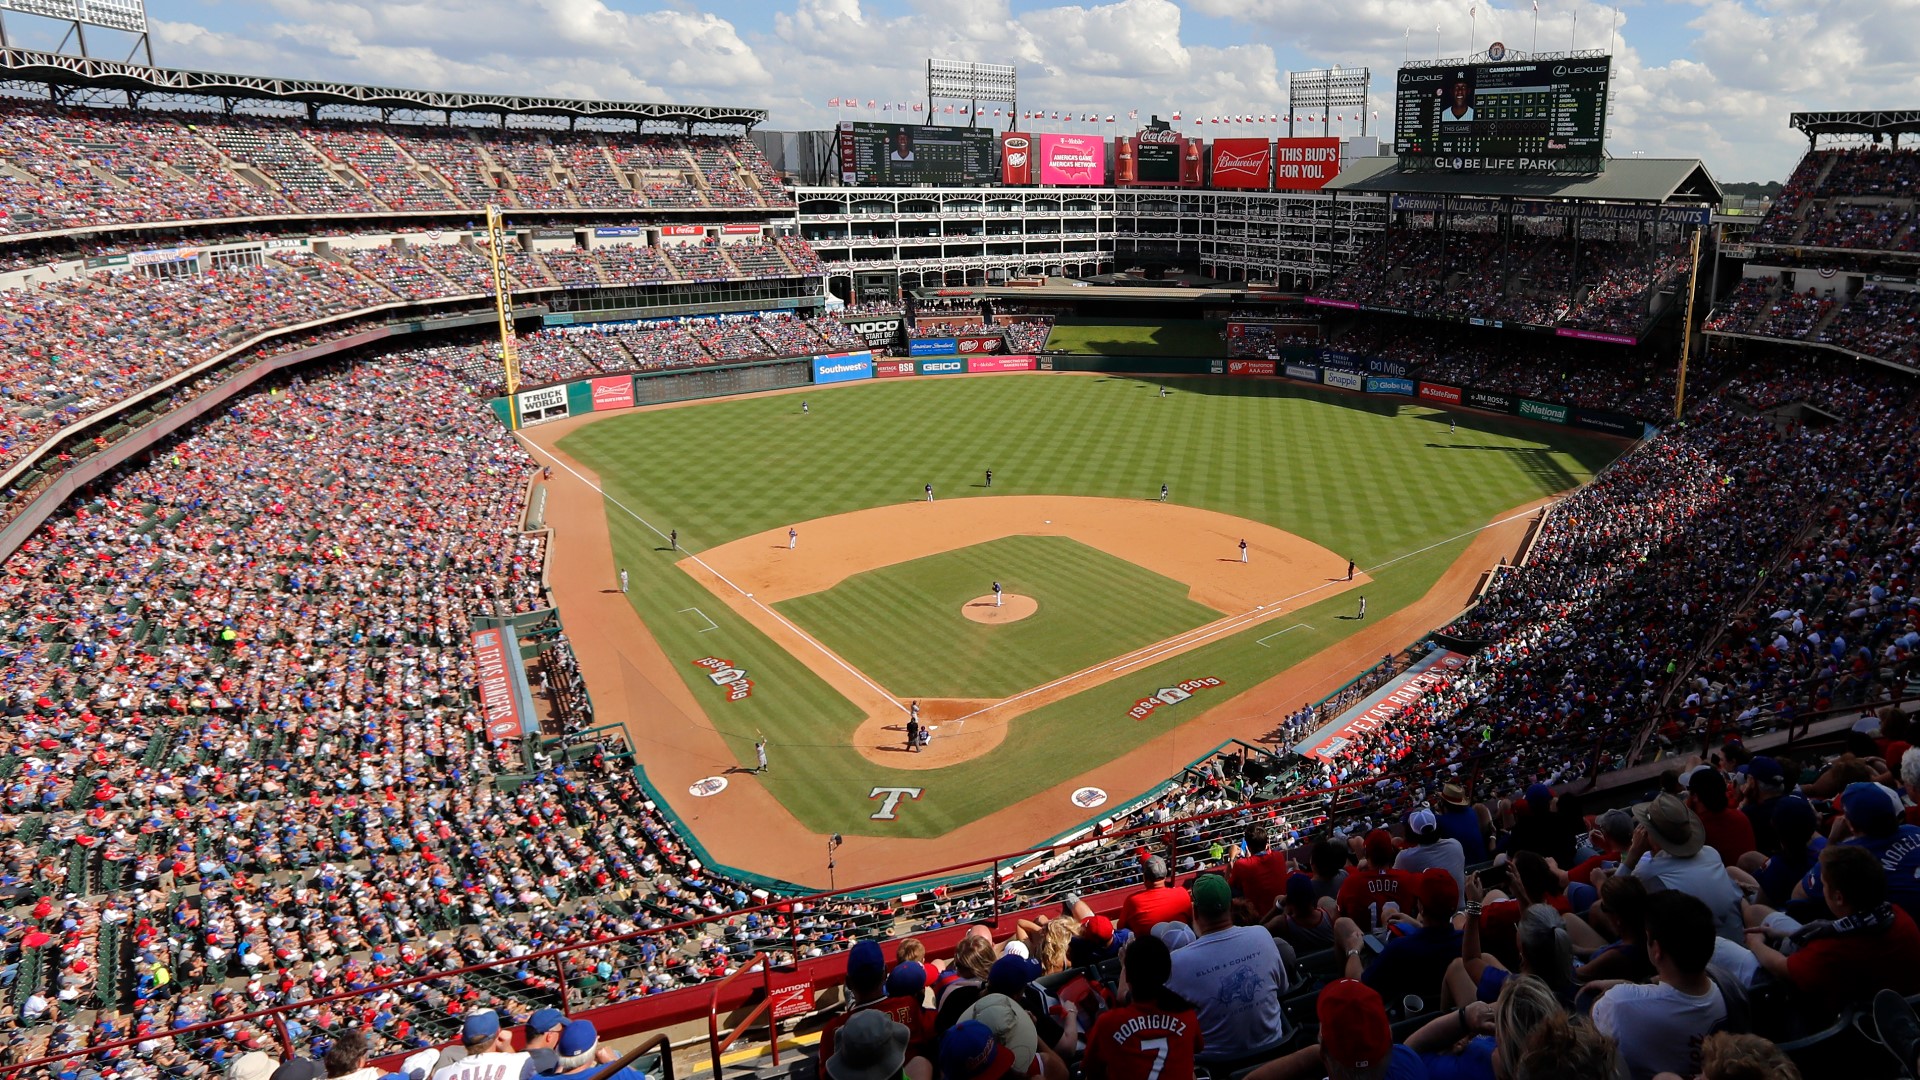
(1242, 164)
(1016, 159)
(1073, 160)
(1305, 164)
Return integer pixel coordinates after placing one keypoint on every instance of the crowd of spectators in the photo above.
(1876, 321)
(1594, 284)
(1860, 199)
(78, 166)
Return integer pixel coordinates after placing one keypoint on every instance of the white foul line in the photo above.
(776, 616)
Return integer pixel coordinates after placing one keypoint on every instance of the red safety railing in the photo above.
(715, 1044)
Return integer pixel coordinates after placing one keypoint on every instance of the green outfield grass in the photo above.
(1370, 477)
(1138, 337)
(902, 624)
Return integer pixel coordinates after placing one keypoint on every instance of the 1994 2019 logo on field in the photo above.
(726, 676)
(1170, 695)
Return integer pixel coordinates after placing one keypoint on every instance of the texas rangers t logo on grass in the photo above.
(894, 795)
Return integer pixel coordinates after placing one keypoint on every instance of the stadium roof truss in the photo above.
(1655, 180)
(59, 76)
(1875, 122)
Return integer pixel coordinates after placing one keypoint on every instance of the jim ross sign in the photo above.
(877, 333)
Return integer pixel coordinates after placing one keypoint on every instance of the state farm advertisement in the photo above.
(977, 364)
(1242, 164)
(1305, 164)
(1016, 159)
(1073, 159)
(616, 393)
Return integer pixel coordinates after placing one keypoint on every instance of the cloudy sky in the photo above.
(1708, 78)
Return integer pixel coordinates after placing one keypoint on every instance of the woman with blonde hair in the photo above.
(973, 959)
(1053, 945)
(1485, 1042)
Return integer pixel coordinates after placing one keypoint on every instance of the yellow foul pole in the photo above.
(1686, 327)
(503, 307)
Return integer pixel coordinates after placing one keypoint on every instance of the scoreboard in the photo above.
(901, 154)
(1529, 116)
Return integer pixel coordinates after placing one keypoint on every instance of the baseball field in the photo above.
(879, 601)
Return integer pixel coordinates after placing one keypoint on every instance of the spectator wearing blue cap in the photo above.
(543, 1034)
(485, 1052)
(580, 1052)
(970, 1052)
(866, 989)
(1873, 817)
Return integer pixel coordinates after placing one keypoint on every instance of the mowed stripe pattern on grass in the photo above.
(902, 625)
(1371, 478)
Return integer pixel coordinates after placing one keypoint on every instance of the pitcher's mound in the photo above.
(1012, 608)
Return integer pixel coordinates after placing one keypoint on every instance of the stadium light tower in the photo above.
(957, 80)
(503, 307)
(126, 16)
(1325, 90)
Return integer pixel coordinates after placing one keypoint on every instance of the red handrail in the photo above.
(715, 1044)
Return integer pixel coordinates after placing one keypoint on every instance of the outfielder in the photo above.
(929, 492)
(1453, 424)
(1363, 608)
(793, 538)
(989, 477)
(1163, 493)
(673, 539)
(996, 594)
(760, 753)
(1163, 393)
(803, 407)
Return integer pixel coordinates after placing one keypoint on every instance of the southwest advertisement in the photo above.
(1069, 160)
(842, 367)
(1305, 164)
(1242, 164)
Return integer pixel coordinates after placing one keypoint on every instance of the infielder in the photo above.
(1163, 493)
(793, 538)
(673, 539)
(996, 594)
(1243, 551)
(1349, 569)
(1363, 608)
(929, 492)
(623, 580)
(760, 753)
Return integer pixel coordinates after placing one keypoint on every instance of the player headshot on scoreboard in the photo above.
(1460, 102)
(902, 146)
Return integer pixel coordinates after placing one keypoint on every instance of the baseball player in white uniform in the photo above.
(996, 594)
(793, 537)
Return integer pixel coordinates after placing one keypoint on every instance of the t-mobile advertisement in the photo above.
(1073, 160)
(1016, 159)
(1305, 164)
(1242, 164)
(999, 363)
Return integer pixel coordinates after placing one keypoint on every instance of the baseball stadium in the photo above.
(504, 586)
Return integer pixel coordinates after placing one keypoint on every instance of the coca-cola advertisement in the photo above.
(1016, 159)
(1157, 157)
(1242, 164)
(1193, 163)
(1305, 164)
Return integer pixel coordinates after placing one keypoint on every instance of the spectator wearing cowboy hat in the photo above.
(1670, 853)
(1460, 820)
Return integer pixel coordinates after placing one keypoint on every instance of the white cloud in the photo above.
(1722, 90)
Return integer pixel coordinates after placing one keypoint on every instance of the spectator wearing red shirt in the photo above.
(1870, 945)
(1157, 902)
(1156, 1033)
(1729, 831)
(1366, 893)
(1261, 877)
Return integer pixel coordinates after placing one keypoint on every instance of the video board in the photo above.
(1527, 116)
(1157, 158)
(899, 154)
